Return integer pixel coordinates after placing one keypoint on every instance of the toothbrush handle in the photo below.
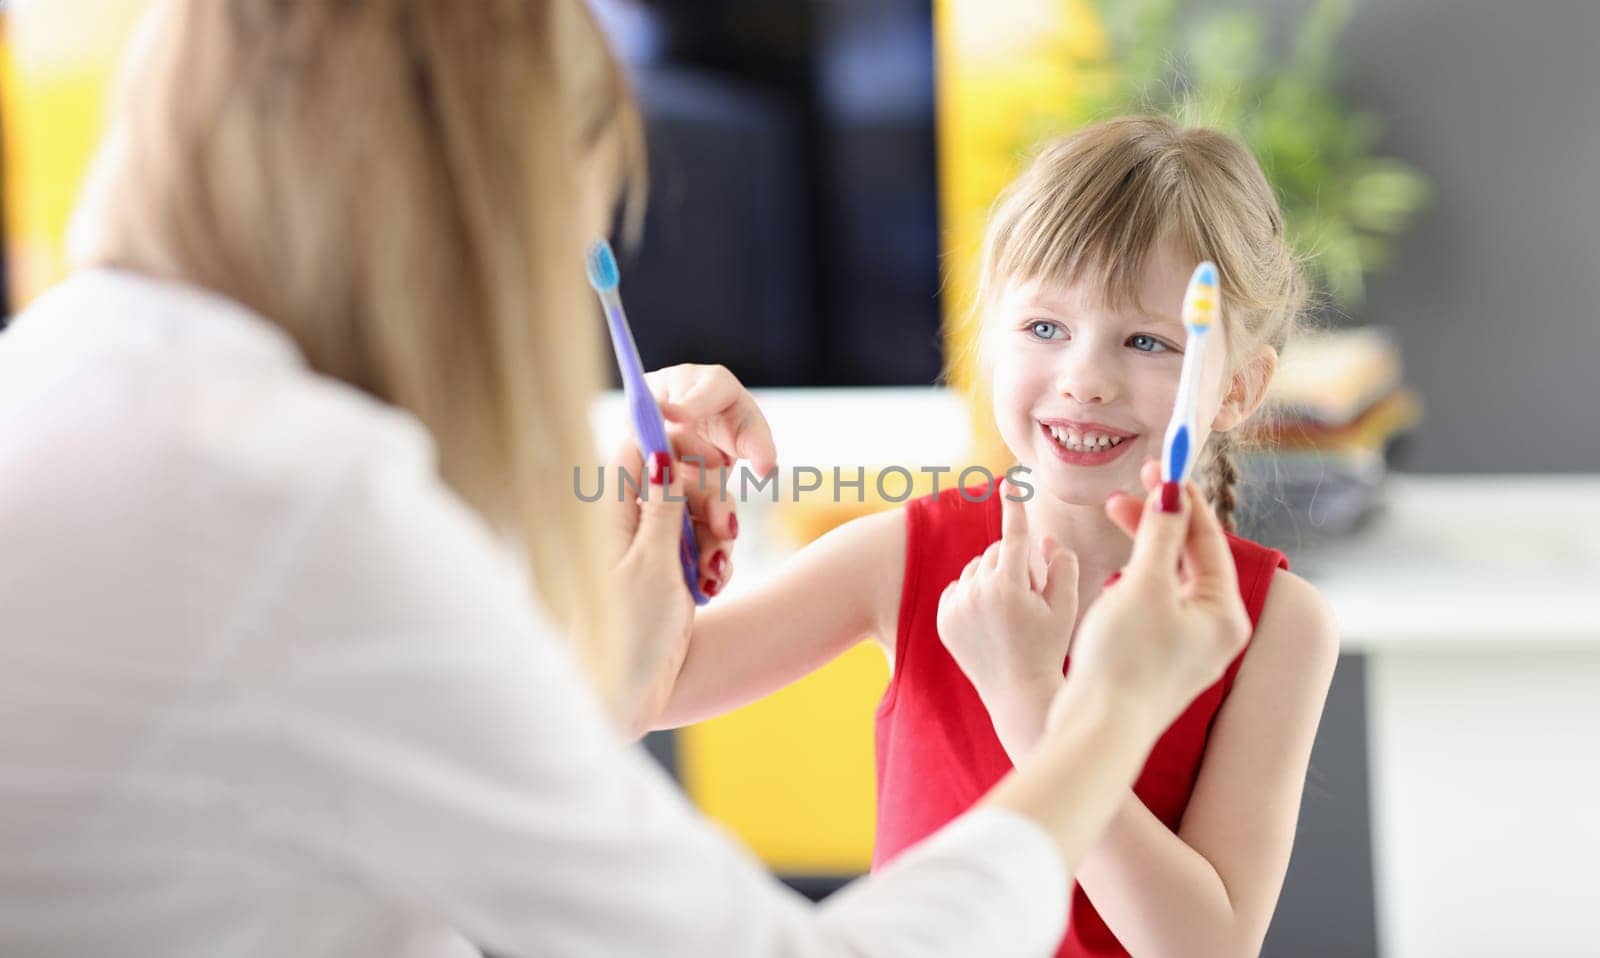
(1178, 452)
(652, 430)
(652, 439)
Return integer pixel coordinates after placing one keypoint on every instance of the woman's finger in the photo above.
(709, 502)
(1208, 560)
(1160, 539)
(629, 461)
(1150, 474)
(1123, 508)
(1124, 511)
(661, 505)
(708, 543)
(716, 560)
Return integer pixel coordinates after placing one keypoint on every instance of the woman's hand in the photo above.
(656, 612)
(1170, 624)
(1148, 645)
(1007, 621)
(712, 421)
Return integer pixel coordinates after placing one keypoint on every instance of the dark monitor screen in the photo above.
(792, 231)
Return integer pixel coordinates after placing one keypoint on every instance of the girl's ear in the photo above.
(1247, 389)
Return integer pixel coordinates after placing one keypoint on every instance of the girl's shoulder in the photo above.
(1258, 567)
(1289, 614)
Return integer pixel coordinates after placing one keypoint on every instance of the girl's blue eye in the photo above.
(1043, 329)
(1147, 344)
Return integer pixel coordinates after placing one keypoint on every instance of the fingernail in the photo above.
(660, 469)
(1111, 579)
(710, 587)
(719, 564)
(733, 527)
(1171, 497)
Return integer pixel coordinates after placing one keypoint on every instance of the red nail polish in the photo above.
(1171, 494)
(1111, 579)
(710, 587)
(719, 564)
(733, 527)
(660, 469)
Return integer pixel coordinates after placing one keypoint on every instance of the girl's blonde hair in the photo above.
(395, 183)
(1092, 206)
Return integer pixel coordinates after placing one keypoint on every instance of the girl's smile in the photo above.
(1086, 443)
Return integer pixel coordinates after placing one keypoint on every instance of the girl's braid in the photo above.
(1222, 475)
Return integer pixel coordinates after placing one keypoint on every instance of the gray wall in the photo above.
(1496, 293)
(1494, 296)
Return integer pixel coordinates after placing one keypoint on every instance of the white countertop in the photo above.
(1469, 561)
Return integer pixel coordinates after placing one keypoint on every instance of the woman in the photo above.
(276, 683)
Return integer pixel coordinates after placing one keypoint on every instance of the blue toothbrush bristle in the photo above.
(1180, 454)
(602, 265)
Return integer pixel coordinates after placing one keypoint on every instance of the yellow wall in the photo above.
(792, 775)
(56, 65)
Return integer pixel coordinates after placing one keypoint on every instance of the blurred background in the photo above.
(820, 172)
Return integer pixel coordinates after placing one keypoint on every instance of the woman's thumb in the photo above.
(1158, 543)
(663, 499)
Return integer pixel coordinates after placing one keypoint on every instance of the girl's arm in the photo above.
(1211, 888)
(836, 591)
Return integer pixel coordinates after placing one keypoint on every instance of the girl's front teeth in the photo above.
(1091, 442)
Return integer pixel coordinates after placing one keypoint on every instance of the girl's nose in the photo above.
(1086, 378)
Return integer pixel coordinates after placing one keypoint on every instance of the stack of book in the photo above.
(1335, 409)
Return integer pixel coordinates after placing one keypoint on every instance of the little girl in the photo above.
(1084, 268)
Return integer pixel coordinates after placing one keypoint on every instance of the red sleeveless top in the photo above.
(937, 752)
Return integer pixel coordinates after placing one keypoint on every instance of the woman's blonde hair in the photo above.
(395, 183)
(1094, 205)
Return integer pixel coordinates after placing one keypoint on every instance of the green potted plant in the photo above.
(1343, 204)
